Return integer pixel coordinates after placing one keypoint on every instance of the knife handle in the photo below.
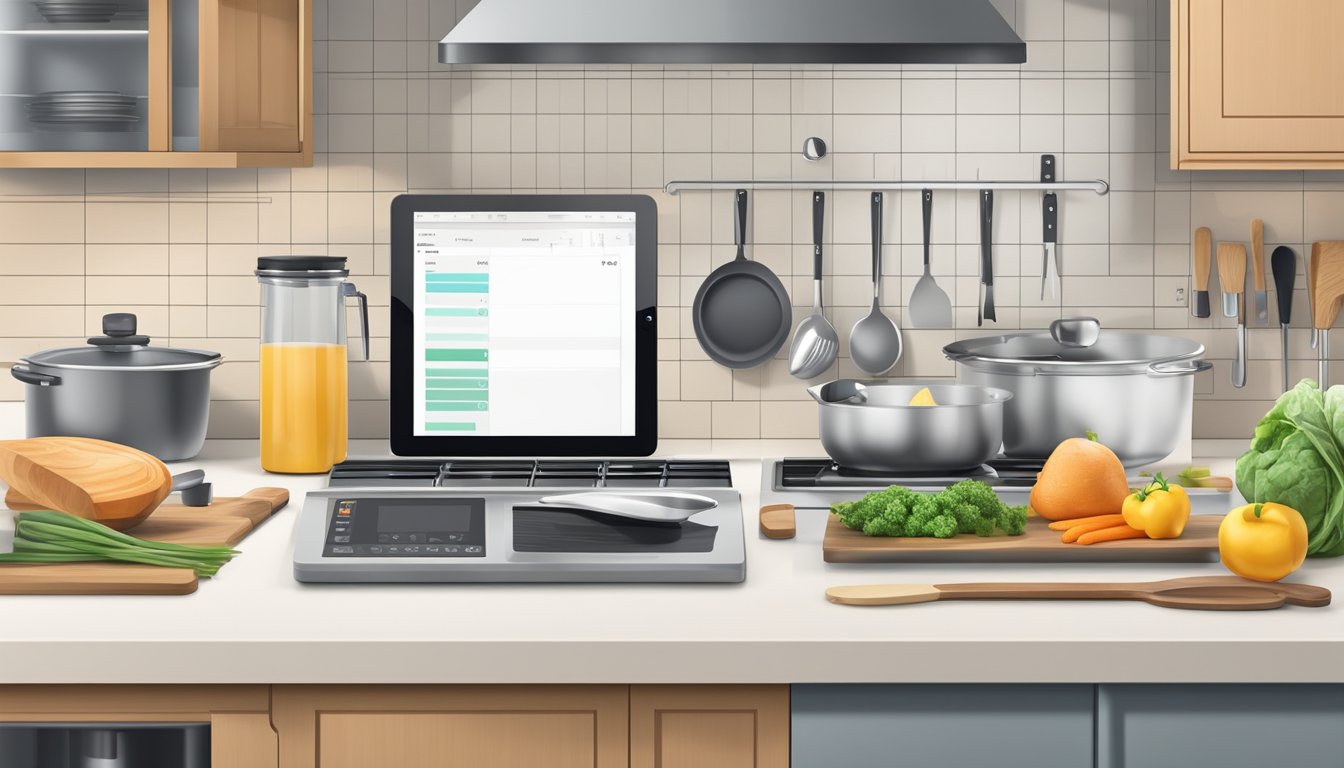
(987, 236)
(1050, 217)
(1283, 262)
(818, 219)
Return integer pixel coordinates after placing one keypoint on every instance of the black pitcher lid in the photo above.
(301, 263)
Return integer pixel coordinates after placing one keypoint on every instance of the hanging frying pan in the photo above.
(742, 313)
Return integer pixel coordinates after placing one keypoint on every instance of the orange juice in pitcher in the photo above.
(304, 381)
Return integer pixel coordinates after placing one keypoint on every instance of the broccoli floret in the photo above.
(969, 506)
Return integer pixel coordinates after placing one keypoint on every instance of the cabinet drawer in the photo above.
(942, 726)
(1230, 726)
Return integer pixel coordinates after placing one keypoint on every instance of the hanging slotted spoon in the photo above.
(929, 305)
(875, 342)
(815, 344)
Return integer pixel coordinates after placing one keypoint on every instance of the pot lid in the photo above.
(121, 347)
(1042, 349)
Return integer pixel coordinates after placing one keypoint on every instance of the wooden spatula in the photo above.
(1203, 593)
(113, 484)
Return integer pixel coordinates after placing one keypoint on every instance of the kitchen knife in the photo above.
(1284, 264)
(1232, 276)
(1313, 257)
(1203, 259)
(1258, 264)
(986, 312)
(1050, 219)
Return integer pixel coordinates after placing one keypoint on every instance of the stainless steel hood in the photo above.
(732, 32)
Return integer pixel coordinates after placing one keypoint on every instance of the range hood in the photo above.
(732, 32)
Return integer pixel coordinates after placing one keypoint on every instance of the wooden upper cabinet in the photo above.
(1257, 84)
(220, 84)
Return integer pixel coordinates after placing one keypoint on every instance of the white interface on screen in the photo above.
(524, 323)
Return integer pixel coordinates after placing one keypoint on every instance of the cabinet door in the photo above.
(942, 726)
(709, 726)
(1230, 726)
(256, 74)
(452, 726)
(1257, 84)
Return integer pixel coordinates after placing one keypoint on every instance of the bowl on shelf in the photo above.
(76, 11)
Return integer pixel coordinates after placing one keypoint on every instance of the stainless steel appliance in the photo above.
(523, 521)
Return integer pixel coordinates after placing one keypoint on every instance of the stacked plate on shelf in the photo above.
(76, 11)
(83, 107)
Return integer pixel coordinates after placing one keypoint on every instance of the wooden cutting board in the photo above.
(224, 523)
(1038, 544)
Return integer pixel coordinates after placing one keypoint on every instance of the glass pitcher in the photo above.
(304, 382)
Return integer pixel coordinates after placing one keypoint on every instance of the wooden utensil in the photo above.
(1201, 593)
(1232, 277)
(1258, 271)
(1203, 261)
(224, 523)
(1199, 543)
(778, 521)
(113, 484)
(1328, 278)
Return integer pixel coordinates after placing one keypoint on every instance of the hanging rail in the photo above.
(1099, 186)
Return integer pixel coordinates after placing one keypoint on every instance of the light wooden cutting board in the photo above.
(224, 523)
(1038, 544)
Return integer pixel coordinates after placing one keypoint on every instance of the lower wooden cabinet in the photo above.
(39, 724)
(702, 726)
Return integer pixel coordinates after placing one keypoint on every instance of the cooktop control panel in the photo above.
(406, 527)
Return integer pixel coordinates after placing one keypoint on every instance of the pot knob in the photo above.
(119, 331)
(1076, 331)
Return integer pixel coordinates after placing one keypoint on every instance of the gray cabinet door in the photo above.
(942, 726)
(1229, 726)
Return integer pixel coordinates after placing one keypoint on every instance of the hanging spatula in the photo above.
(1201, 593)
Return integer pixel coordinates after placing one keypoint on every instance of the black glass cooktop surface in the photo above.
(528, 473)
(825, 473)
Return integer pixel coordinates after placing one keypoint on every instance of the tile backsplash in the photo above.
(178, 247)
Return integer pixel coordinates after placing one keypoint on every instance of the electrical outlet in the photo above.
(1180, 297)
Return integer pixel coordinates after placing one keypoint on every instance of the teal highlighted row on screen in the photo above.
(457, 277)
(457, 288)
(474, 395)
(432, 383)
(450, 426)
(457, 311)
(450, 373)
(439, 405)
(456, 355)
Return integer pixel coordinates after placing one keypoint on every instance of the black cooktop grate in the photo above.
(524, 473)
(825, 473)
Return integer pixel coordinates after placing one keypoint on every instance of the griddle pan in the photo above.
(742, 313)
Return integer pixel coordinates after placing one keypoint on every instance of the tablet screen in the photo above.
(522, 323)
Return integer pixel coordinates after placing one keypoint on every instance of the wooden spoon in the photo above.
(1206, 593)
(113, 484)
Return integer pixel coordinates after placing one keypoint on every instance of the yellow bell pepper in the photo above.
(1264, 542)
(1159, 509)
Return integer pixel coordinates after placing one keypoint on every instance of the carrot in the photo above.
(1064, 525)
(1071, 535)
(1114, 533)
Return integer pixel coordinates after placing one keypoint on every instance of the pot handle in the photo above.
(1167, 368)
(28, 376)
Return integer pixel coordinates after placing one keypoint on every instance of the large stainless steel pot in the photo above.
(872, 426)
(120, 389)
(1135, 392)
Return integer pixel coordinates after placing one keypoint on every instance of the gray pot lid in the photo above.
(1111, 351)
(122, 348)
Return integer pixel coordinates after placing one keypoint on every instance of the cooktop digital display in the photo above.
(372, 527)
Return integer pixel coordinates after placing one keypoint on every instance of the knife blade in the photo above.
(1258, 264)
(986, 257)
(1050, 272)
(1203, 260)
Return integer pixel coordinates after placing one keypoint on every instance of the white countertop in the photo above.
(254, 624)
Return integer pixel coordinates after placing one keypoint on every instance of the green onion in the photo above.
(55, 537)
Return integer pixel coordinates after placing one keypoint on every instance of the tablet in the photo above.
(524, 325)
